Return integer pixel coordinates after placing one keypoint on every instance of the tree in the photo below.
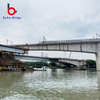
(52, 64)
(91, 63)
(36, 64)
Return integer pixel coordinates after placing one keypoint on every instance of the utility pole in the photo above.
(96, 35)
(11, 42)
(69, 55)
(44, 38)
(7, 42)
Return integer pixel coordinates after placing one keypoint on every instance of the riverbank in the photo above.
(10, 69)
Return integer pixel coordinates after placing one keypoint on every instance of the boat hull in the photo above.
(38, 70)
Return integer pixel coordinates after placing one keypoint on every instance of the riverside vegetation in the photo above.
(89, 63)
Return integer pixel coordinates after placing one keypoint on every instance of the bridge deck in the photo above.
(5, 48)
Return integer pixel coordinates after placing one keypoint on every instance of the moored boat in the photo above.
(40, 69)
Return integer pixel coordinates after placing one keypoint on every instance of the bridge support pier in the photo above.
(98, 61)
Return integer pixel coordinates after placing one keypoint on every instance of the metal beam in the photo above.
(23, 57)
(5, 48)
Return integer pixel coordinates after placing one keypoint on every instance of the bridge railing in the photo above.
(77, 40)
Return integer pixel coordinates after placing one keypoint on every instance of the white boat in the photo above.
(40, 69)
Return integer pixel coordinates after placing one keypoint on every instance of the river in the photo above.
(53, 84)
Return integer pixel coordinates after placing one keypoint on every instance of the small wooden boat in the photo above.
(23, 68)
(83, 68)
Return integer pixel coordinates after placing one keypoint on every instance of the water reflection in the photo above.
(53, 84)
(98, 76)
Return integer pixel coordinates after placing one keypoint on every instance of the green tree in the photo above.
(52, 64)
(91, 63)
(36, 63)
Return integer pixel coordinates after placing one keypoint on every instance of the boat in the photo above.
(83, 68)
(23, 68)
(40, 69)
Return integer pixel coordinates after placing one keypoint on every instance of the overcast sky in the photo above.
(54, 19)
